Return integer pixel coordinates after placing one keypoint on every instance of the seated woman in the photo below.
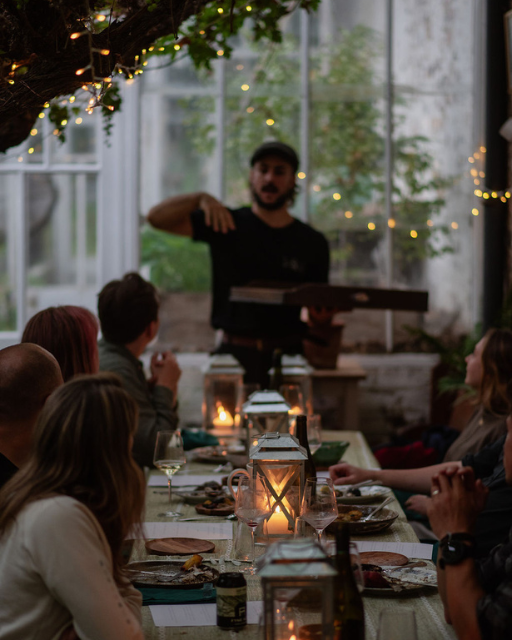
(64, 516)
(70, 334)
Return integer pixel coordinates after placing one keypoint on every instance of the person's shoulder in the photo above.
(55, 511)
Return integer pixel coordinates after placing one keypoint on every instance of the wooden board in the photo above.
(383, 558)
(178, 546)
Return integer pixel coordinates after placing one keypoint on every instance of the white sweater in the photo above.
(56, 569)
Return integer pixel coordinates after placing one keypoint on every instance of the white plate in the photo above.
(372, 493)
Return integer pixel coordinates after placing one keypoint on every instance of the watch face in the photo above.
(455, 551)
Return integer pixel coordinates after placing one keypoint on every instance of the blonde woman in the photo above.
(64, 516)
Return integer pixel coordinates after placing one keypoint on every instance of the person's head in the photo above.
(82, 448)
(128, 308)
(70, 334)
(489, 369)
(28, 375)
(272, 175)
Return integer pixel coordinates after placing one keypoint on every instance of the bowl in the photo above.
(382, 520)
(329, 453)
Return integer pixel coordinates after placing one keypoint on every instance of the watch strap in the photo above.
(463, 537)
(461, 551)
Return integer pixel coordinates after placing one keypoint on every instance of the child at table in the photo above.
(64, 516)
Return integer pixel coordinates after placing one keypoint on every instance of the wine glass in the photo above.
(319, 506)
(314, 432)
(252, 506)
(355, 563)
(169, 457)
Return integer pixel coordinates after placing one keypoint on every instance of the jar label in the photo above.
(231, 607)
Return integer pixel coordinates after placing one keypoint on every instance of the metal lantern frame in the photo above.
(297, 565)
(264, 407)
(280, 454)
(222, 370)
(297, 370)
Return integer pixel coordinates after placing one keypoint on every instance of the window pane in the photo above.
(80, 145)
(8, 267)
(61, 217)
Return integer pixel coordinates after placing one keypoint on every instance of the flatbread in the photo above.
(383, 558)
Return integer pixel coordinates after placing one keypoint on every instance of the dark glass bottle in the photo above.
(348, 603)
(301, 432)
(276, 378)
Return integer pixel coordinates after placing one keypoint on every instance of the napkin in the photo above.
(194, 439)
(159, 595)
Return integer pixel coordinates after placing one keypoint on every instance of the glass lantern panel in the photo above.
(221, 401)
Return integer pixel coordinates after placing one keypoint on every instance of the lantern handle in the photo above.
(236, 472)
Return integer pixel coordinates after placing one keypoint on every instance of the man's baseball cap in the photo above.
(276, 148)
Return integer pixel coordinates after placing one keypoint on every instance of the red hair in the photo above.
(70, 334)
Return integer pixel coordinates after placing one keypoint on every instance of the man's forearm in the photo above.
(415, 480)
(463, 592)
(173, 214)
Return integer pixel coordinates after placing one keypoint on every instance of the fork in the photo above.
(377, 509)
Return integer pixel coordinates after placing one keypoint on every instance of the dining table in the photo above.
(425, 602)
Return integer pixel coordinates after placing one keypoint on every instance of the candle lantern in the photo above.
(296, 370)
(223, 382)
(264, 411)
(279, 460)
(298, 592)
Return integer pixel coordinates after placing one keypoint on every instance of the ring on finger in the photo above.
(435, 492)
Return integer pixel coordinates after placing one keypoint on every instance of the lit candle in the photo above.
(278, 522)
(224, 419)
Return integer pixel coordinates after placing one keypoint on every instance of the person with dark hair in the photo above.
(28, 375)
(261, 242)
(128, 313)
(70, 334)
(64, 517)
(476, 588)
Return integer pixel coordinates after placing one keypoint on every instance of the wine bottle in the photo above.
(276, 377)
(348, 604)
(301, 432)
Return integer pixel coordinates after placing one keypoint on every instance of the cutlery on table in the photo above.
(377, 509)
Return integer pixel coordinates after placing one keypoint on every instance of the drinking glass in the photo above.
(397, 624)
(314, 432)
(319, 506)
(355, 563)
(169, 457)
(252, 506)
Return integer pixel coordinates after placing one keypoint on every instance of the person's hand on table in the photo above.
(456, 500)
(344, 473)
(215, 214)
(418, 503)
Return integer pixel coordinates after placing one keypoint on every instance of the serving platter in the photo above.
(168, 574)
(178, 546)
(368, 495)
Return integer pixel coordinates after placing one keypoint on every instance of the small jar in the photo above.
(231, 601)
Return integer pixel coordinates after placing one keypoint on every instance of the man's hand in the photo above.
(418, 503)
(456, 501)
(344, 473)
(166, 371)
(215, 214)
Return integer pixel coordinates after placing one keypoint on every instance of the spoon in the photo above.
(377, 509)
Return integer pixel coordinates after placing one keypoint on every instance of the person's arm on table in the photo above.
(173, 214)
(456, 501)
(67, 547)
(405, 479)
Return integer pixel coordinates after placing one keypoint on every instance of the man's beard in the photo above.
(278, 203)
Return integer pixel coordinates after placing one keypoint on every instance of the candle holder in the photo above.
(265, 411)
(279, 461)
(298, 592)
(223, 382)
(296, 370)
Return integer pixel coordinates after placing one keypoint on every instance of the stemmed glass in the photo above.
(169, 457)
(355, 563)
(314, 432)
(252, 506)
(319, 507)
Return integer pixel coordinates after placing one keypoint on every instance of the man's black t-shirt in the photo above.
(255, 251)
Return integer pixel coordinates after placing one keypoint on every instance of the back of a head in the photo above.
(496, 370)
(126, 308)
(28, 375)
(70, 334)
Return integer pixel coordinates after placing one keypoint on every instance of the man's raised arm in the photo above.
(173, 214)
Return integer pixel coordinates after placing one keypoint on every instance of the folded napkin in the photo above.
(159, 595)
(194, 439)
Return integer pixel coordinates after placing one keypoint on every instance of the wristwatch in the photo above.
(454, 548)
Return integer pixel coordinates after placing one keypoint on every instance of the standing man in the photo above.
(262, 242)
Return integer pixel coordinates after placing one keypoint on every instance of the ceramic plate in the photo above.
(382, 520)
(216, 454)
(368, 494)
(169, 575)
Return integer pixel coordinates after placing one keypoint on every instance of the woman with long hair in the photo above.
(70, 334)
(65, 514)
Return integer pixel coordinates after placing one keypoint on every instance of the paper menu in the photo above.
(182, 480)
(197, 615)
(201, 530)
(409, 549)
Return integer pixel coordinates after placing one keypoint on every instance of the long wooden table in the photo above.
(426, 603)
